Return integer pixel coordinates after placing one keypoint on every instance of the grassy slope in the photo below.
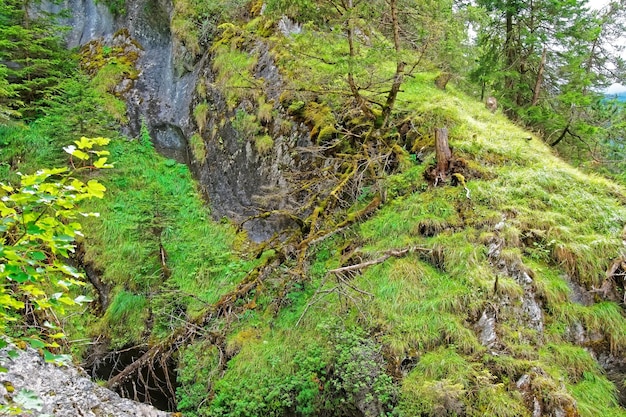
(561, 225)
(412, 345)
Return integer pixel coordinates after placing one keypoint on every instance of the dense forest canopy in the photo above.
(336, 224)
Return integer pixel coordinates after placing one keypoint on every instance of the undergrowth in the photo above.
(155, 242)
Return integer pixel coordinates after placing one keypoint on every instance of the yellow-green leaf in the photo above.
(96, 189)
(101, 163)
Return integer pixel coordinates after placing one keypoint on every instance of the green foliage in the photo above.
(198, 369)
(126, 318)
(198, 147)
(116, 7)
(38, 231)
(76, 107)
(33, 58)
(233, 69)
(194, 22)
(152, 213)
(246, 125)
(338, 377)
(200, 114)
(263, 144)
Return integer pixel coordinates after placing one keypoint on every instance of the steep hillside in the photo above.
(303, 254)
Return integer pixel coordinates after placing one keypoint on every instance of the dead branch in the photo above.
(343, 273)
(391, 253)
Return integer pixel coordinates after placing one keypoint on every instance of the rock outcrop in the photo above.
(50, 389)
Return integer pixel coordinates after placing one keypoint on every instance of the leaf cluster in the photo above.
(39, 225)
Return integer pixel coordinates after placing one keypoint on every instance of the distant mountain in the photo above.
(621, 96)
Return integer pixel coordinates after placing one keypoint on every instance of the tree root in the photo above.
(183, 336)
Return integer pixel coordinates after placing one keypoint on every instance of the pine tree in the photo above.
(33, 56)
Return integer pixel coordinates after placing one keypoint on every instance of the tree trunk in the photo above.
(398, 77)
(442, 151)
(539, 80)
(509, 50)
(354, 88)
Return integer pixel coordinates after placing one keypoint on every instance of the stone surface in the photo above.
(62, 390)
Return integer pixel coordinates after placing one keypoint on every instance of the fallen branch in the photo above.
(391, 253)
(342, 278)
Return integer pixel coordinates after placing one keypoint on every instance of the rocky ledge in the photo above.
(42, 388)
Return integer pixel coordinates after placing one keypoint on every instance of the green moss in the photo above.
(200, 114)
(198, 147)
(263, 144)
(320, 118)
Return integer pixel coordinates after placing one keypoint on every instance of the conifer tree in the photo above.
(32, 55)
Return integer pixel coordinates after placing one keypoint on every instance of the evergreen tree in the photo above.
(32, 54)
(548, 61)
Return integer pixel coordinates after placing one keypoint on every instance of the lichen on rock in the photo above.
(60, 390)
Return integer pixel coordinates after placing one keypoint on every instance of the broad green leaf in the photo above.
(100, 141)
(70, 270)
(101, 163)
(33, 290)
(82, 299)
(71, 149)
(35, 343)
(96, 189)
(8, 301)
(84, 143)
(56, 359)
(38, 256)
(66, 300)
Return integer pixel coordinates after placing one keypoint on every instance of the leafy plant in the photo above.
(39, 224)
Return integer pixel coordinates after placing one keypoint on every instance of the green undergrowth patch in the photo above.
(27, 149)
(234, 76)
(154, 242)
(445, 381)
(337, 371)
(595, 396)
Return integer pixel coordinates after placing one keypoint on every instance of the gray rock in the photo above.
(60, 390)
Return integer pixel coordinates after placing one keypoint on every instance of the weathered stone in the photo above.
(62, 390)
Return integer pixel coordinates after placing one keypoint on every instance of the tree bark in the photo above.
(399, 75)
(442, 151)
(539, 80)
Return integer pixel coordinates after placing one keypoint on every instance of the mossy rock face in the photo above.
(123, 51)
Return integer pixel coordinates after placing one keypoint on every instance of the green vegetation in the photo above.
(39, 227)
(487, 288)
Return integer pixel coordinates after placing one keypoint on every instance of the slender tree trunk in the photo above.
(354, 88)
(509, 49)
(442, 152)
(539, 80)
(399, 75)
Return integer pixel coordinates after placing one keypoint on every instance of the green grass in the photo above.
(152, 210)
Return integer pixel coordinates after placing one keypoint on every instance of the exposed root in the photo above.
(226, 306)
